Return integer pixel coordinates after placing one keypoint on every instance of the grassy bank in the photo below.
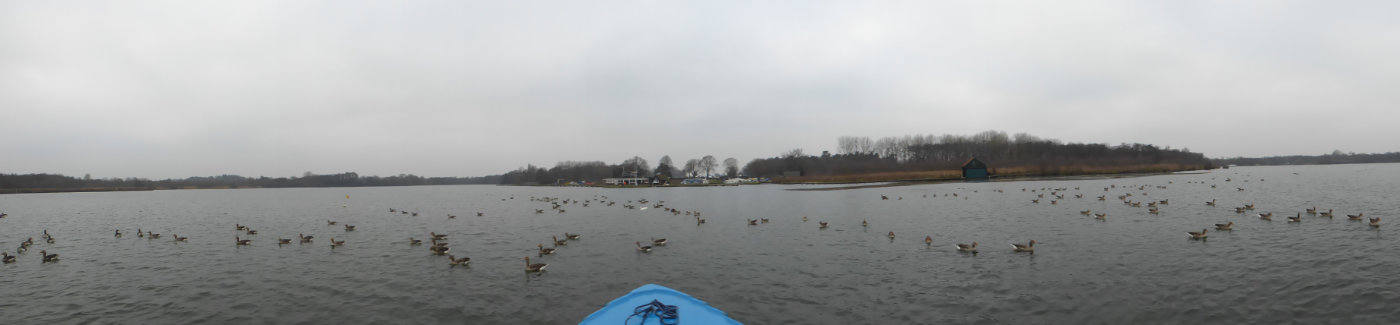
(1005, 172)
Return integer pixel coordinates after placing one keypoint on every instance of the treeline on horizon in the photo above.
(595, 171)
(1023, 152)
(1336, 157)
(57, 181)
(863, 155)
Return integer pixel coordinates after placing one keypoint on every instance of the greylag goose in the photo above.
(1027, 247)
(537, 267)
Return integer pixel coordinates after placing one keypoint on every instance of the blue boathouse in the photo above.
(974, 169)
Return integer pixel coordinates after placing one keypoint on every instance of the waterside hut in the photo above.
(974, 169)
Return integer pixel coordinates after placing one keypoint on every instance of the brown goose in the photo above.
(752, 222)
(576, 236)
(1266, 216)
(454, 261)
(179, 238)
(864, 223)
(336, 243)
(821, 225)
(1356, 217)
(241, 242)
(48, 257)
(1326, 214)
(1375, 222)
(439, 249)
(970, 248)
(644, 249)
(537, 267)
(1101, 216)
(658, 241)
(1297, 218)
(349, 228)
(558, 242)
(414, 242)
(330, 223)
(119, 233)
(305, 239)
(1027, 248)
(6, 257)
(928, 240)
(1196, 235)
(1312, 210)
(1224, 226)
(283, 241)
(891, 235)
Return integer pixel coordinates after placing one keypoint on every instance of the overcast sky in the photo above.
(457, 88)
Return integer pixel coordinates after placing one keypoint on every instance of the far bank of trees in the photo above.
(1336, 157)
(856, 155)
(596, 171)
(57, 181)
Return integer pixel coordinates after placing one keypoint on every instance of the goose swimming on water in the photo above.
(48, 258)
(454, 261)
(970, 248)
(537, 267)
(1024, 248)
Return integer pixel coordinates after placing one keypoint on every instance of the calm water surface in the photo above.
(1132, 268)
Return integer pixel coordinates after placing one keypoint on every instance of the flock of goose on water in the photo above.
(438, 245)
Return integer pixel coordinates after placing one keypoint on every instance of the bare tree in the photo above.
(690, 167)
(731, 167)
(636, 166)
(794, 153)
(708, 164)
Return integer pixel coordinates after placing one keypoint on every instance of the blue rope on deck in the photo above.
(667, 314)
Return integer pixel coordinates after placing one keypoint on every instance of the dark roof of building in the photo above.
(974, 163)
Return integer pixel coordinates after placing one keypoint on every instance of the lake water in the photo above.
(1131, 268)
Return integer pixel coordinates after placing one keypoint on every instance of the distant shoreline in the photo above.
(854, 186)
(72, 190)
(138, 189)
